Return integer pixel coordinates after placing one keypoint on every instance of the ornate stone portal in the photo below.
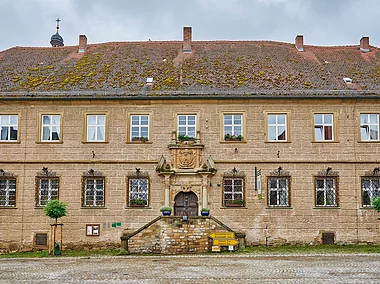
(186, 173)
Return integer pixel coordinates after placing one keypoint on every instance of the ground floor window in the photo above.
(370, 190)
(326, 191)
(233, 194)
(278, 191)
(46, 189)
(93, 191)
(8, 192)
(138, 192)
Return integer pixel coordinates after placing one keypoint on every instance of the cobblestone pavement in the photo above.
(221, 268)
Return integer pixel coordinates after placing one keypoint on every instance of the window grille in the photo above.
(326, 191)
(370, 190)
(278, 191)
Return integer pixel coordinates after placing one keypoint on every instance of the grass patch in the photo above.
(285, 249)
(69, 253)
(306, 249)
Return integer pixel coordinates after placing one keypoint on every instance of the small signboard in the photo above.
(222, 235)
(224, 242)
(215, 248)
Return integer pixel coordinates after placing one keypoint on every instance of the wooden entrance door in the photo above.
(186, 204)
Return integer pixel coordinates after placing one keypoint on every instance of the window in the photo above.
(326, 192)
(370, 190)
(47, 189)
(369, 127)
(323, 127)
(7, 192)
(93, 191)
(233, 192)
(138, 192)
(96, 128)
(278, 191)
(8, 128)
(139, 128)
(50, 128)
(187, 125)
(233, 127)
(277, 127)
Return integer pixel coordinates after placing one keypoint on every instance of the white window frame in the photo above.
(235, 193)
(138, 188)
(50, 126)
(324, 190)
(279, 190)
(323, 125)
(371, 191)
(368, 126)
(187, 126)
(52, 190)
(277, 126)
(87, 189)
(234, 126)
(139, 126)
(9, 186)
(9, 126)
(97, 127)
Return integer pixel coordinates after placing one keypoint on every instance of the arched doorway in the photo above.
(186, 204)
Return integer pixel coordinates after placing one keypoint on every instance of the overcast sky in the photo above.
(322, 22)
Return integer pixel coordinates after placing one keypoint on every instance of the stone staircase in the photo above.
(176, 235)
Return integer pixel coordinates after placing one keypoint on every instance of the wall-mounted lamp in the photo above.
(328, 170)
(376, 170)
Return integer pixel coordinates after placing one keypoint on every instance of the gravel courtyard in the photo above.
(220, 268)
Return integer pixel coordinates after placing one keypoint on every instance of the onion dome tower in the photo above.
(56, 40)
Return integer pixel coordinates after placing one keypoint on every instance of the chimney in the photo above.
(187, 39)
(82, 43)
(364, 44)
(299, 42)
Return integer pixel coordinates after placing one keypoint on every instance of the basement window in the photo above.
(41, 239)
(328, 238)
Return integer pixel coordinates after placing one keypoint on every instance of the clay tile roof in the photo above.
(213, 67)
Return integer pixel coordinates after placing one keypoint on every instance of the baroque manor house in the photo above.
(279, 140)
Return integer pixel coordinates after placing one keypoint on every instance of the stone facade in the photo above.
(172, 235)
(301, 222)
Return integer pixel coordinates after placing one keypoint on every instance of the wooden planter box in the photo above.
(232, 139)
(137, 205)
(234, 205)
(139, 140)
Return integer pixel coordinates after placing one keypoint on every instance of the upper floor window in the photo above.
(96, 128)
(370, 190)
(7, 192)
(326, 192)
(233, 191)
(8, 128)
(233, 127)
(278, 191)
(46, 189)
(50, 128)
(139, 129)
(277, 127)
(187, 125)
(323, 127)
(138, 192)
(369, 127)
(93, 191)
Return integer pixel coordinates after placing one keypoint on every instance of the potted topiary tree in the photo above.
(55, 209)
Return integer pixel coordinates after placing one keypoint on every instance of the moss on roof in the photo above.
(213, 66)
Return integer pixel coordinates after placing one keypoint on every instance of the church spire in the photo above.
(56, 40)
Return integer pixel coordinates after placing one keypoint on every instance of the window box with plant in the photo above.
(137, 202)
(234, 137)
(166, 211)
(186, 138)
(140, 139)
(205, 211)
(234, 203)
